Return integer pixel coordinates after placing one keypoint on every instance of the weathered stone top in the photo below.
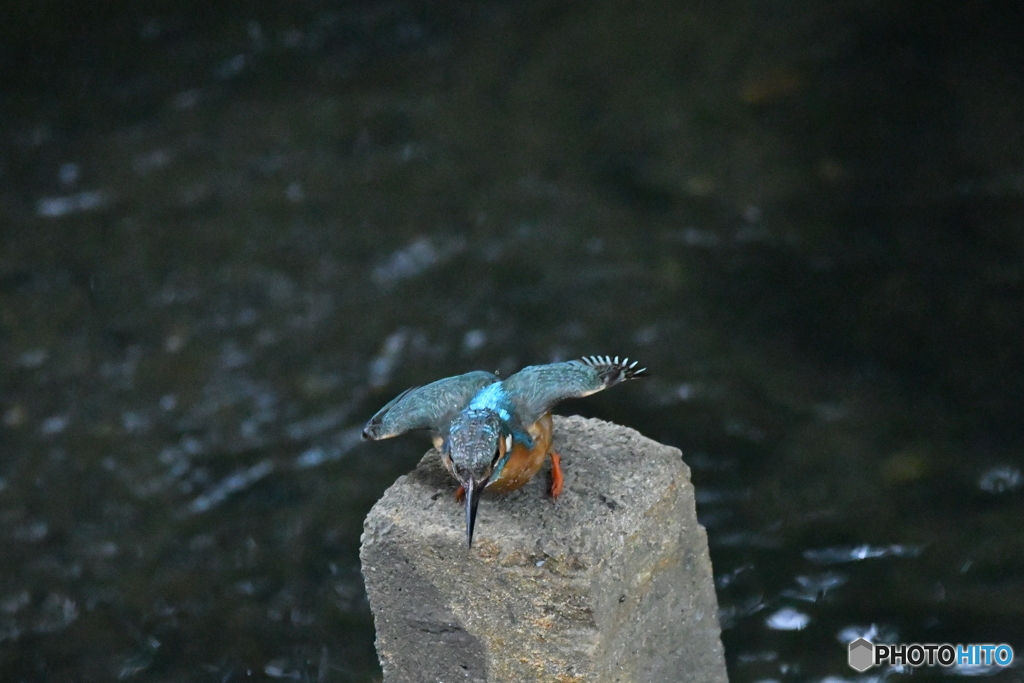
(613, 476)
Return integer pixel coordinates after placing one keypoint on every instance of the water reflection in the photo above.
(232, 231)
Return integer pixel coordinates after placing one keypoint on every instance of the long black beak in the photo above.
(473, 491)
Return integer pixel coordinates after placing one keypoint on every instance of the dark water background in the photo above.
(232, 230)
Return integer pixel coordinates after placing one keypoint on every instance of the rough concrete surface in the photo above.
(611, 583)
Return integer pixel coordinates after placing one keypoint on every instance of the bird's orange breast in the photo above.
(525, 462)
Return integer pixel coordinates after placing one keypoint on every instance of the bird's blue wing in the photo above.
(431, 406)
(536, 389)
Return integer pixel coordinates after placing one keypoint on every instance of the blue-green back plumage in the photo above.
(496, 398)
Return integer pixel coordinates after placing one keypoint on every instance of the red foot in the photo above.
(556, 475)
(460, 494)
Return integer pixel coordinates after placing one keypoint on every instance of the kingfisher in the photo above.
(494, 433)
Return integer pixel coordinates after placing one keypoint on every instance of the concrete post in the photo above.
(611, 583)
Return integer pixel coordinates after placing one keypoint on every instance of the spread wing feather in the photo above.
(431, 406)
(537, 388)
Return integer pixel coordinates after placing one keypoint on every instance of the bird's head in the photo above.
(477, 442)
